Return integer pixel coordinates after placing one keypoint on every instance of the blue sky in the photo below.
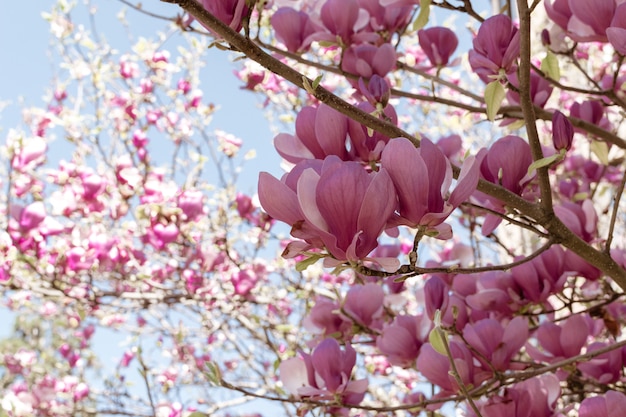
(27, 72)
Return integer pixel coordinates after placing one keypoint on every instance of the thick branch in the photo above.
(528, 108)
(550, 222)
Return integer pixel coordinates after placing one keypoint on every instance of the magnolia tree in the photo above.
(450, 222)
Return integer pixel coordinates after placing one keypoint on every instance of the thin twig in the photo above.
(616, 201)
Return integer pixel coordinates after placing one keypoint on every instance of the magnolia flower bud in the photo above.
(562, 131)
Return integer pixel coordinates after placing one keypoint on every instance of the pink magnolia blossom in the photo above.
(376, 92)
(366, 60)
(364, 303)
(581, 218)
(348, 206)
(605, 368)
(506, 163)
(610, 404)
(320, 132)
(496, 48)
(439, 296)
(495, 293)
(244, 281)
(386, 19)
(438, 43)
(540, 89)
(535, 397)
(367, 145)
(324, 319)
(324, 375)
(422, 178)
(31, 216)
(345, 21)
(616, 32)
(401, 341)
(542, 276)
(436, 367)
(294, 28)
(591, 111)
(32, 153)
(583, 21)
(164, 234)
(562, 131)
(497, 342)
(191, 202)
(344, 207)
(560, 341)
(231, 12)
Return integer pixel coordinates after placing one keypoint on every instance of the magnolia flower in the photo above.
(540, 89)
(191, 203)
(506, 163)
(377, 90)
(438, 43)
(591, 111)
(344, 19)
(324, 375)
(422, 178)
(582, 20)
(560, 341)
(293, 28)
(364, 303)
(366, 144)
(562, 131)
(324, 319)
(386, 19)
(231, 12)
(542, 276)
(320, 132)
(339, 206)
(616, 33)
(496, 48)
(436, 367)
(401, 341)
(497, 343)
(535, 397)
(605, 368)
(366, 60)
(611, 404)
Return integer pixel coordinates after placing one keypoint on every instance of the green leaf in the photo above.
(544, 162)
(213, 373)
(550, 66)
(601, 150)
(437, 340)
(494, 94)
(516, 125)
(422, 17)
(305, 263)
(307, 86)
(317, 81)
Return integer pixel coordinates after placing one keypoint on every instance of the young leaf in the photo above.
(436, 339)
(213, 373)
(305, 263)
(544, 162)
(550, 66)
(494, 94)
(601, 150)
(317, 81)
(422, 17)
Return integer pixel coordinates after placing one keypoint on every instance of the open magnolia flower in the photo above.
(324, 375)
(422, 178)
